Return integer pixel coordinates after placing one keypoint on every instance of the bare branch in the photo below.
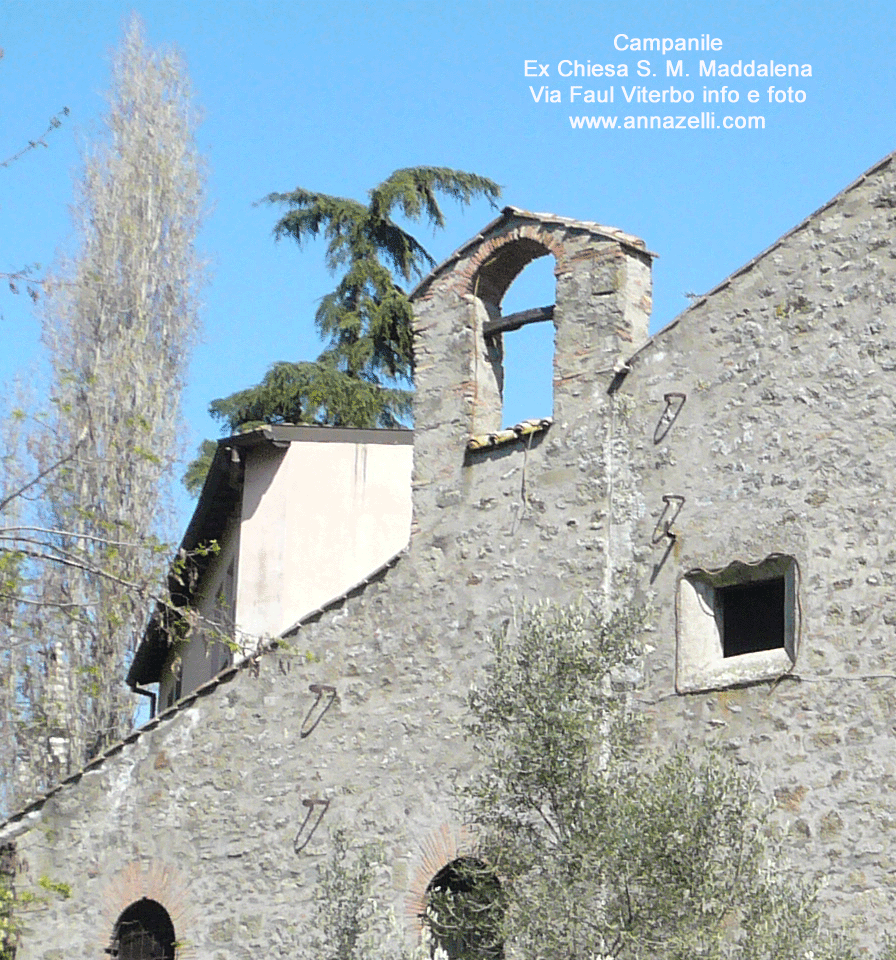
(55, 124)
(43, 473)
(12, 533)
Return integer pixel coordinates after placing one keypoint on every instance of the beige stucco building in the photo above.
(290, 518)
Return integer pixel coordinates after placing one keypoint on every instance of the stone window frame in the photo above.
(700, 660)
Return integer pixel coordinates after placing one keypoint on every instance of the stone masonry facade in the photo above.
(752, 441)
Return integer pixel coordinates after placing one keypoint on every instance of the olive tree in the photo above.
(348, 921)
(600, 849)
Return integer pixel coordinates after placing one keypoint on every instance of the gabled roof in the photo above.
(547, 219)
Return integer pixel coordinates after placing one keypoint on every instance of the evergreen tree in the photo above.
(364, 375)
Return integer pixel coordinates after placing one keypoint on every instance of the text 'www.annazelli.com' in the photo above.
(700, 121)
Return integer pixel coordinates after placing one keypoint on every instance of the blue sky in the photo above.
(334, 97)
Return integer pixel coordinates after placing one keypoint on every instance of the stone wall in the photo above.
(779, 438)
(785, 445)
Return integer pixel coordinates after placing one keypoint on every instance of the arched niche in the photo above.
(502, 367)
(464, 912)
(143, 931)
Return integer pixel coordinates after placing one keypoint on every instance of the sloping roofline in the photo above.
(220, 497)
(548, 219)
(753, 261)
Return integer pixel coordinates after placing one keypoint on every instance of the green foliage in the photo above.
(367, 318)
(311, 393)
(55, 886)
(8, 925)
(11, 566)
(465, 912)
(198, 469)
(364, 375)
(344, 889)
(13, 903)
(604, 851)
(349, 923)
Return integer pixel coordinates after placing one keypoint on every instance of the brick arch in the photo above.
(442, 852)
(155, 881)
(500, 260)
(437, 850)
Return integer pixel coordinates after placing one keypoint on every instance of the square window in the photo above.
(752, 616)
(737, 625)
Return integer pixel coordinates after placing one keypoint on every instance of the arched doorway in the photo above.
(464, 912)
(144, 931)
